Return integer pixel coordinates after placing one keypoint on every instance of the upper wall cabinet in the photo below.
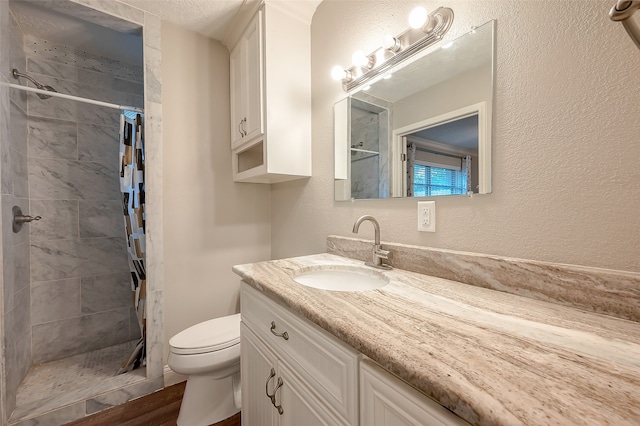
(270, 76)
(246, 85)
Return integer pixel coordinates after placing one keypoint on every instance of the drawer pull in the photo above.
(242, 123)
(266, 385)
(273, 398)
(284, 335)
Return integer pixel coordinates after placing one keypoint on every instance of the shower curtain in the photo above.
(411, 160)
(132, 187)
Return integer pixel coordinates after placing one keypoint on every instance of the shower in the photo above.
(18, 74)
(69, 320)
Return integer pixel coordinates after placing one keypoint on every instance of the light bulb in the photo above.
(391, 43)
(388, 41)
(359, 59)
(448, 45)
(338, 73)
(418, 17)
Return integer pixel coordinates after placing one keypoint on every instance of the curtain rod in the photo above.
(71, 97)
(445, 154)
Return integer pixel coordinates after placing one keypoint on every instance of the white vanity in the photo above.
(295, 373)
(401, 353)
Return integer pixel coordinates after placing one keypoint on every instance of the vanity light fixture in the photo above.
(338, 73)
(391, 43)
(425, 30)
(359, 59)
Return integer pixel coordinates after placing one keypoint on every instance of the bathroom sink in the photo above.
(341, 278)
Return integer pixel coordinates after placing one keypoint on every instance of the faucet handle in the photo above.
(382, 254)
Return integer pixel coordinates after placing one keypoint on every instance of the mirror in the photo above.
(423, 132)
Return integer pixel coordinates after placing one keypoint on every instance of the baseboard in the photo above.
(171, 377)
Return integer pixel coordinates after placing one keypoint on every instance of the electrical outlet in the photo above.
(427, 216)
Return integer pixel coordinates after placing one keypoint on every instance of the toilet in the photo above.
(209, 355)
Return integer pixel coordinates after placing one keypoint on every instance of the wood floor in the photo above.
(158, 409)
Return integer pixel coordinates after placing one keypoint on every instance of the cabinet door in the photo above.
(254, 74)
(237, 95)
(299, 405)
(387, 401)
(262, 372)
(326, 365)
(257, 370)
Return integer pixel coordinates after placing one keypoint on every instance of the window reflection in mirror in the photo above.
(442, 159)
(426, 131)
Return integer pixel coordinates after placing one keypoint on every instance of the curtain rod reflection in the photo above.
(431, 151)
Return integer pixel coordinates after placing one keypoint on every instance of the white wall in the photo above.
(210, 223)
(458, 92)
(566, 141)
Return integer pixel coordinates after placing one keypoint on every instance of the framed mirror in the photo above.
(423, 131)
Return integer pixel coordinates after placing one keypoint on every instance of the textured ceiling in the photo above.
(212, 17)
(208, 17)
(77, 26)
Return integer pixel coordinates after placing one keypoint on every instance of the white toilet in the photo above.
(209, 354)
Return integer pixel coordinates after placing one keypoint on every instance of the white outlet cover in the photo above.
(427, 216)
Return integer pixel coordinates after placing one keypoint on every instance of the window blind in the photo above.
(430, 180)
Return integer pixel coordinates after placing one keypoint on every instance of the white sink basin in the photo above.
(340, 278)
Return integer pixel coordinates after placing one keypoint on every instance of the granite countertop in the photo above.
(491, 357)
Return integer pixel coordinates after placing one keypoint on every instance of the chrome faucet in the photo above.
(378, 253)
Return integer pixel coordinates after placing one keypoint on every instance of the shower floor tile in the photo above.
(58, 383)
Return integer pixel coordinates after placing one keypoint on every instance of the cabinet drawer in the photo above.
(329, 367)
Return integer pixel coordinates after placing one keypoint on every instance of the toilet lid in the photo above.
(208, 336)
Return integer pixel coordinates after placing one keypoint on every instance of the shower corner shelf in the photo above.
(358, 154)
(365, 151)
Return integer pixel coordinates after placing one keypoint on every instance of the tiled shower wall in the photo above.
(370, 124)
(15, 246)
(365, 179)
(80, 283)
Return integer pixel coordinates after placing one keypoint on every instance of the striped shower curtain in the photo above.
(132, 187)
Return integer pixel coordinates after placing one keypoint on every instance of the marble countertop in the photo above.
(491, 357)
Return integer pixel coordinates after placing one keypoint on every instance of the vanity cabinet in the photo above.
(317, 379)
(312, 365)
(270, 84)
(272, 393)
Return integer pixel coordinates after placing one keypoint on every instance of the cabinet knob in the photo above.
(284, 335)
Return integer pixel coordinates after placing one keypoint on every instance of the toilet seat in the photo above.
(208, 336)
